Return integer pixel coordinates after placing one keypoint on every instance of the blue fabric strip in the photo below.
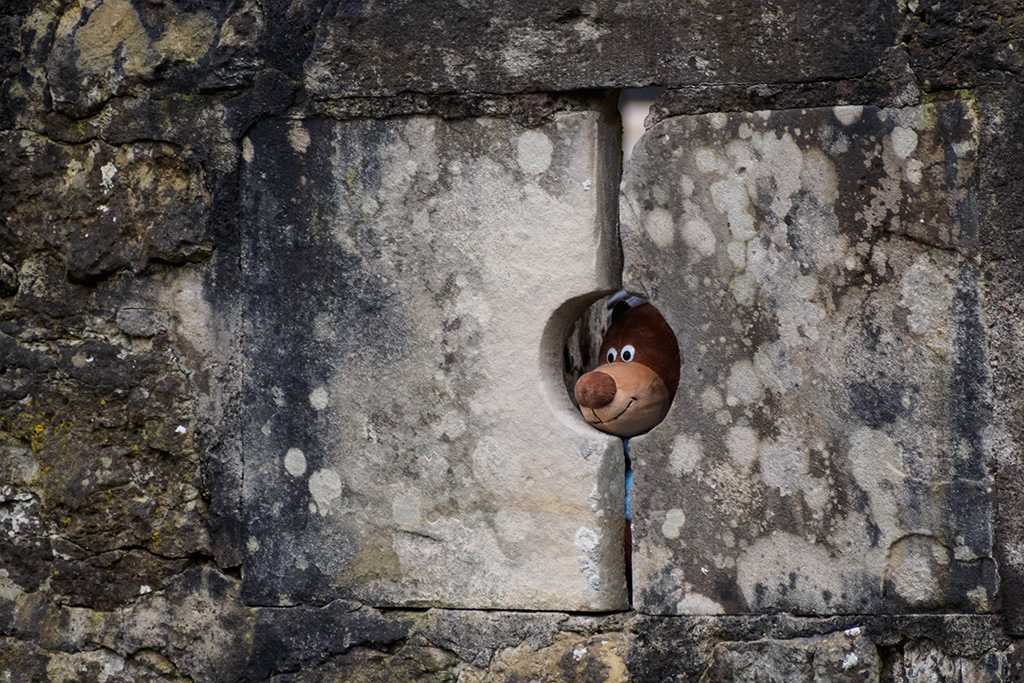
(629, 474)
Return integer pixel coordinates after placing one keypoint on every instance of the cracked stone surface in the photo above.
(827, 450)
(407, 438)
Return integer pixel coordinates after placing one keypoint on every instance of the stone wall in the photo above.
(285, 290)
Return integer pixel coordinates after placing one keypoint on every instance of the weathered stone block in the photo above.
(1001, 181)
(827, 450)
(409, 285)
(960, 44)
(104, 208)
(921, 660)
(846, 656)
(499, 47)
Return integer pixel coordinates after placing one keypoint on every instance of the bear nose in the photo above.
(595, 390)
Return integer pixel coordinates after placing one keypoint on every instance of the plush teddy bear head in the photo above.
(633, 388)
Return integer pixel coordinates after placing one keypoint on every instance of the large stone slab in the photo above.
(1001, 239)
(409, 287)
(501, 47)
(827, 451)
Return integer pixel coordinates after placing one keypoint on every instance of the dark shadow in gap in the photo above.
(628, 533)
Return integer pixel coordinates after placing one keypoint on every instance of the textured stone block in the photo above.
(501, 47)
(920, 660)
(846, 656)
(827, 450)
(100, 479)
(409, 286)
(117, 208)
(1001, 238)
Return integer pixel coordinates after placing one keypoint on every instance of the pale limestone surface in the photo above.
(827, 450)
(408, 437)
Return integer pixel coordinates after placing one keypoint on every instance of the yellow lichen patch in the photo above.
(298, 137)
(114, 32)
(187, 38)
(569, 658)
(38, 428)
(375, 559)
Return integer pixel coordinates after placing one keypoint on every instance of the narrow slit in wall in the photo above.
(621, 369)
(585, 339)
(581, 351)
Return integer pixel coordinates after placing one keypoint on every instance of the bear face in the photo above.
(632, 390)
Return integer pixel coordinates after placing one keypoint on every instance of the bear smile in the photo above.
(632, 399)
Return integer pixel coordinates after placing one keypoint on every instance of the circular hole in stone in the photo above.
(621, 365)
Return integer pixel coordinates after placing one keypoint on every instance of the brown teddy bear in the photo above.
(634, 387)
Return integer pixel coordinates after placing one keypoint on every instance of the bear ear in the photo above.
(620, 307)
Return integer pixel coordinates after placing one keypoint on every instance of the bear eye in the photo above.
(612, 355)
(628, 352)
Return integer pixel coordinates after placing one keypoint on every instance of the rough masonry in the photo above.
(284, 294)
